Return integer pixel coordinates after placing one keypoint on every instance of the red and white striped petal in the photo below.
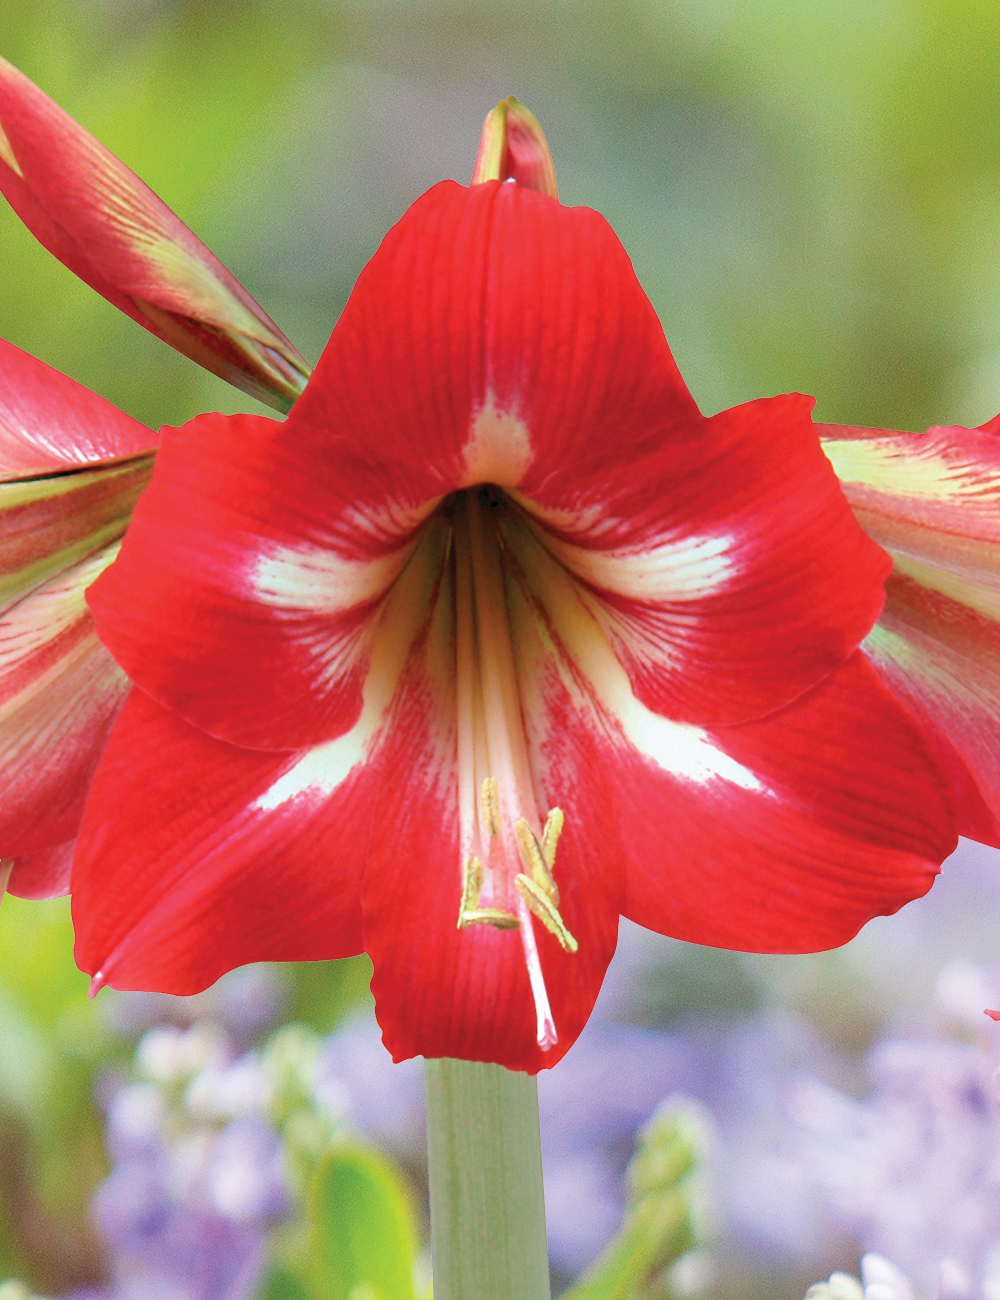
(783, 834)
(48, 420)
(52, 521)
(250, 585)
(442, 990)
(930, 498)
(786, 834)
(112, 231)
(933, 500)
(729, 574)
(60, 691)
(195, 857)
(71, 470)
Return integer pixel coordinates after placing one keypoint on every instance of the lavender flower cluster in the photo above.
(913, 1169)
(198, 1174)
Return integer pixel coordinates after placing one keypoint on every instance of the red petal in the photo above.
(441, 991)
(48, 420)
(195, 858)
(112, 231)
(498, 302)
(60, 691)
(933, 500)
(45, 874)
(942, 659)
(727, 570)
(250, 582)
(841, 814)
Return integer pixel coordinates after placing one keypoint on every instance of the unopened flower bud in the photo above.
(513, 147)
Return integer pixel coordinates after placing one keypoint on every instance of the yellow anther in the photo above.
(490, 799)
(489, 916)
(541, 905)
(535, 860)
(472, 887)
(554, 824)
(469, 911)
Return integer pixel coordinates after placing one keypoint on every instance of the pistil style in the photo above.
(507, 872)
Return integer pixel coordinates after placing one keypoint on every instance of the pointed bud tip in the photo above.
(513, 147)
(96, 984)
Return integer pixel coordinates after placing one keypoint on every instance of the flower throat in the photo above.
(508, 850)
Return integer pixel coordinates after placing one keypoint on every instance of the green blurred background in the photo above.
(809, 190)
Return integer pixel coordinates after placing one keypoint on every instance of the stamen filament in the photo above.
(545, 1025)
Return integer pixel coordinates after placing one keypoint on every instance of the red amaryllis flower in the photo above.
(494, 639)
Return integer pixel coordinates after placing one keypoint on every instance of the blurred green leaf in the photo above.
(282, 1283)
(326, 990)
(51, 1144)
(660, 1222)
(361, 1229)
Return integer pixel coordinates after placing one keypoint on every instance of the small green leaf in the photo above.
(660, 1219)
(281, 1283)
(361, 1232)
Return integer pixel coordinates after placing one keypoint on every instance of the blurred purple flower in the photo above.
(198, 1172)
(914, 1169)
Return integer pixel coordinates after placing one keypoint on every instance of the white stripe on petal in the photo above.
(688, 568)
(907, 464)
(317, 580)
(498, 449)
(685, 751)
(964, 590)
(688, 752)
(319, 771)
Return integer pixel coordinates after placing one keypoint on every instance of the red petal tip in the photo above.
(96, 984)
(993, 1015)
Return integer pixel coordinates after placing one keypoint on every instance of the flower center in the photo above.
(508, 851)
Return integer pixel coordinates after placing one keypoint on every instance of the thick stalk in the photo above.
(485, 1165)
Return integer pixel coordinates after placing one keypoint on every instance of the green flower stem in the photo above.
(485, 1165)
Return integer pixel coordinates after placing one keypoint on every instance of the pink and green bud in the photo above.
(513, 147)
(111, 230)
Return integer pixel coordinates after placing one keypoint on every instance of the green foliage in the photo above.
(352, 1234)
(661, 1219)
(51, 1145)
(325, 990)
(361, 1234)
